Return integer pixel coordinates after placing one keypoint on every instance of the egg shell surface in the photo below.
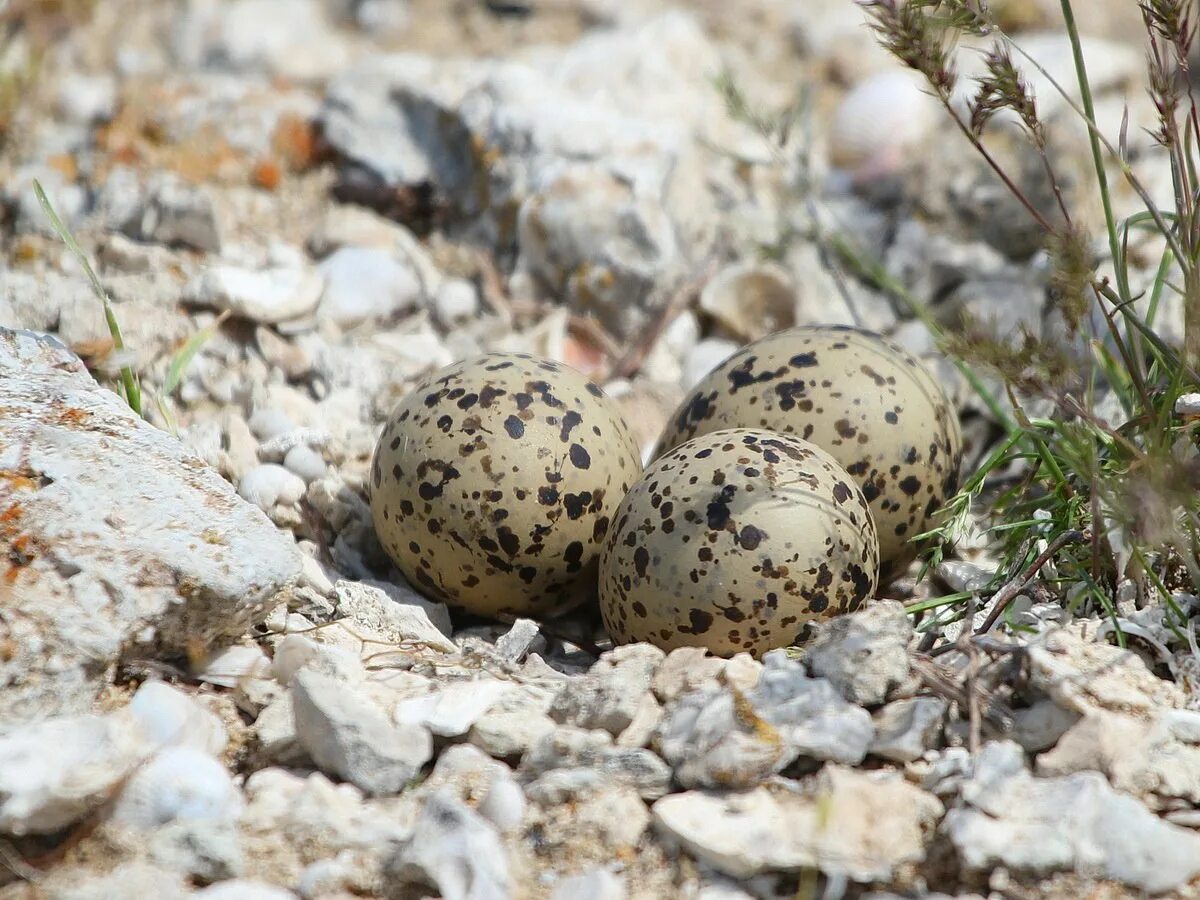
(870, 404)
(495, 480)
(735, 541)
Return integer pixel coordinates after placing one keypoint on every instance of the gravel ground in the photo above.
(214, 683)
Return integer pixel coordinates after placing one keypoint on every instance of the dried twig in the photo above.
(684, 296)
(591, 330)
(1004, 597)
(11, 859)
(492, 287)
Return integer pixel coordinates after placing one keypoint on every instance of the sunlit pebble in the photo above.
(879, 124)
(180, 783)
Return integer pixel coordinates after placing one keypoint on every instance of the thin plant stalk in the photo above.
(129, 381)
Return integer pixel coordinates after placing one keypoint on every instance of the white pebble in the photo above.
(305, 462)
(363, 283)
(312, 575)
(456, 301)
(292, 654)
(179, 783)
(169, 717)
(269, 484)
(260, 295)
(270, 422)
(504, 804)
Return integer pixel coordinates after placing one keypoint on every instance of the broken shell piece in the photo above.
(751, 300)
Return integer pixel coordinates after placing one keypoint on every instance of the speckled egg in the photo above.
(874, 407)
(735, 541)
(494, 483)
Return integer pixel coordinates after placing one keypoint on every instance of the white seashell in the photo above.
(880, 124)
(751, 299)
(178, 783)
(233, 665)
(169, 717)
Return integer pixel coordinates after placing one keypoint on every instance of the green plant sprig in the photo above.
(129, 380)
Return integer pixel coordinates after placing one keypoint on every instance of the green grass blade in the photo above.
(188, 351)
(133, 394)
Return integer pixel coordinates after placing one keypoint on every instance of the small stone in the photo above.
(456, 302)
(268, 484)
(905, 729)
(267, 422)
(313, 575)
(306, 463)
(177, 214)
(364, 284)
(594, 884)
(275, 729)
(504, 803)
(864, 654)
(1156, 760)
(267, 296)
(645, 723)
(943, 771)
(572, 761)
(452, 849)
(1083, 676)
(348, 736)
(168, 717)
(203, 849)
(514, 723)
(515, 643)
(400, 615)
(179, 783)
(1039, 726)
(450, 710)
(722, 737)
(609, 820)
(68, 197)
(610, 695)
(860, 825)
(1187, 406)
(684, 670)
(86, 98)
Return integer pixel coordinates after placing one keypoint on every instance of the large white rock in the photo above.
(857, 824)
(347, 735)
(54, 772)
(1076, 823)
(119, 542)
